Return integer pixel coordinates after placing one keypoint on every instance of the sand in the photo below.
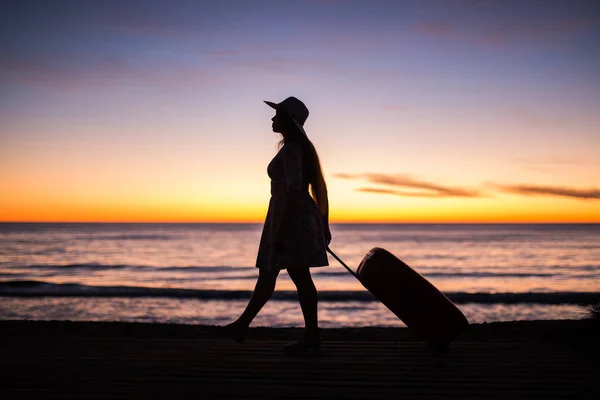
(83, 360)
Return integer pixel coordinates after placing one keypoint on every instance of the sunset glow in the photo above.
(422, 111)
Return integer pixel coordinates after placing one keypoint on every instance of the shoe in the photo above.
(233, 331)
(303, 346)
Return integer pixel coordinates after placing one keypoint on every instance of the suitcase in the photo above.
(411, 297)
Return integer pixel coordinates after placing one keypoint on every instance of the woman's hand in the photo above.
(326, 231)
(327, 235)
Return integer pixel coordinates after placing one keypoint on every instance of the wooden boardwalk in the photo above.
(74, 367)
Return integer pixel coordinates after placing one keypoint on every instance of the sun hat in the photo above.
(293, 108)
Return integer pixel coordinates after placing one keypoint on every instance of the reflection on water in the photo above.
(456, 258)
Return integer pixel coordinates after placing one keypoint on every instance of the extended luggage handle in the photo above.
(341, 262)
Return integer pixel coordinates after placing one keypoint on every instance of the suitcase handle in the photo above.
(341, 262)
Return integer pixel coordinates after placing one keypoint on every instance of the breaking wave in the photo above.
(32, 288)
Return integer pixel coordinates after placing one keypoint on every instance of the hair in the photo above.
(316, 181)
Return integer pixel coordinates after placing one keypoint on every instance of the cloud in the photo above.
(554, 161)
(341, 175)
(402, 193)
(396, 107)
(279, 64)
(541, 32)
(406, 186)
(435, 29)
(401, 181)
(504, 23)
(552, 164)
(80, 73)
(559, 191)
(180, 19)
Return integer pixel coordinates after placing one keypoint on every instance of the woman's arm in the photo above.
(326, 230)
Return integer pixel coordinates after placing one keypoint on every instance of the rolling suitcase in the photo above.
(413, 299)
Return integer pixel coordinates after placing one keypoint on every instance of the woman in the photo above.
(296, 230)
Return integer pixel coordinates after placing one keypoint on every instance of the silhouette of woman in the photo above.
(296, 232)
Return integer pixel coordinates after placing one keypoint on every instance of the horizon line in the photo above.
(331, 223)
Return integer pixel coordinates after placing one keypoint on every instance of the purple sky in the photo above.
(124, 103)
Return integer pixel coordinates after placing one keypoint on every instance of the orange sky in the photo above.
(364, 207)
(442, 113)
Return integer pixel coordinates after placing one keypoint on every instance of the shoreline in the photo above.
(563, 330)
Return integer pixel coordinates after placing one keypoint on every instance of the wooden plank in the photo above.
(90, 367)
(90, 363)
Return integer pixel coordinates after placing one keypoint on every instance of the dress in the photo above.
(304, 241)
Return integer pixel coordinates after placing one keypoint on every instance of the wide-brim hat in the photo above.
(295, 109)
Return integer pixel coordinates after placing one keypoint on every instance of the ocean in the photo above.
(204, 273)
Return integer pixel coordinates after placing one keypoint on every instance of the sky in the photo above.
(422, 111)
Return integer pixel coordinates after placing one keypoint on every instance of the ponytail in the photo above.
(318, 187)
(316, 181)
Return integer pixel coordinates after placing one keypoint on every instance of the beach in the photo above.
(83, 360)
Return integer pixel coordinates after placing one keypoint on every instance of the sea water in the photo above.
(204, 273)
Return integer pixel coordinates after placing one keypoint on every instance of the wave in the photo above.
(129, 237)
(465, 274)
(115, 267)
(94, 237)
(556, 271)
(30, 288)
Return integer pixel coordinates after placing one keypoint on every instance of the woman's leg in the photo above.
(265, 286)
(307, 295)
